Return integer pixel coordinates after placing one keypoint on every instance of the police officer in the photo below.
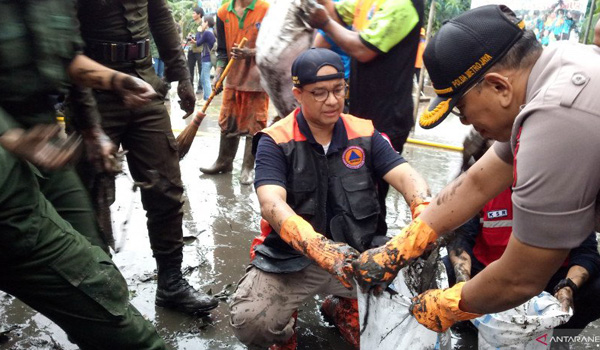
(43, 261)
(315, 178)
(117, 34)
(541, 105)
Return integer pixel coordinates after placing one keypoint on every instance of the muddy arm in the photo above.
(406, 180)
(273, 206)
(465, 196)
(461, 263)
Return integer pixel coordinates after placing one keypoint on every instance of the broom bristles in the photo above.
(185, 139)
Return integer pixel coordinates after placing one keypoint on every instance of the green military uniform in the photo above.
(37, 42)
(52, 268)
(116, 34)
(44, 261)
(146, 131)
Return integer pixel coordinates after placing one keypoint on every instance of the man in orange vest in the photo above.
(316, 172)
(245, 102)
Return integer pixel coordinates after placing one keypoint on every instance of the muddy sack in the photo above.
(385, 322)
(527, 326)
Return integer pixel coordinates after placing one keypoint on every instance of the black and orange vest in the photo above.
(341, 182)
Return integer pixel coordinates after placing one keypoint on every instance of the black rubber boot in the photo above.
(174, 292)
(247, 175)
(224, 163)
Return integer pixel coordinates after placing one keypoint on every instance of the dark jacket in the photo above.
(335, 193)
(128, 21)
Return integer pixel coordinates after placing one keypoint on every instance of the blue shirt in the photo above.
(206, 38)
(335, 48)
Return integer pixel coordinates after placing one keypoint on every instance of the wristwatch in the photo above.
(566, 282)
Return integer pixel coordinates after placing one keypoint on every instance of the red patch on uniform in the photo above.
(354, 157)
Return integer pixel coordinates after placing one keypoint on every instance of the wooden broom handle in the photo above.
(223, 75)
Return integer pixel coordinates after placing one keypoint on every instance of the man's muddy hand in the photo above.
(438, 309)
(40, 145)
(134, 91)
(186, 94)
(379, 266)
(565, 298)
(318, 16)
(337, 259)
(100, 150)
(238, 53)
(374, 269)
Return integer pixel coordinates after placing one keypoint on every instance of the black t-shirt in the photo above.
(381, 89)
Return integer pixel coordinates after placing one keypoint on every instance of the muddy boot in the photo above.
(174, 291)
(290, 344)
(247, 175)
(343, 314)
(224, 163)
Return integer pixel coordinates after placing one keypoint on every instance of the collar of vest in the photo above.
(294, 127)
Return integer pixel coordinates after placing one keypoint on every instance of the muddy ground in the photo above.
(221, 218)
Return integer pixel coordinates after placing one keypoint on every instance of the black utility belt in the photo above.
(106, 51)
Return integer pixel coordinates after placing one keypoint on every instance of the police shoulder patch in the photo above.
(354, 157)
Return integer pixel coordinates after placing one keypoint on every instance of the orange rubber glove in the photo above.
(416, 208)
(334, 257)
(438, 309)
(379, 266)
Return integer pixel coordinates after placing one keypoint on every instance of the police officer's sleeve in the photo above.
(167, 40)
(271, 166)
(385, 158)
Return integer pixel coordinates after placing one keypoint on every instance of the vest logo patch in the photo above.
(354, 157)
(497, 214)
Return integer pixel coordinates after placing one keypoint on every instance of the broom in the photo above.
(185, 139)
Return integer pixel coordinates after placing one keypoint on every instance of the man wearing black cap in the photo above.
(542, 107)
(315, 178)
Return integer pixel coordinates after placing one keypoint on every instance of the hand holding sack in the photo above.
(438, 309)
(379, 266)
(334, 257)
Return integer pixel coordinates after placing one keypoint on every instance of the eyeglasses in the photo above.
(455, 109)
(321, 95)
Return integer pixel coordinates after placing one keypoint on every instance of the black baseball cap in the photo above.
(462, 51)
(308, 63)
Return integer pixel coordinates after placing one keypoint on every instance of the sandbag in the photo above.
(527, 326)
(385, 322)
